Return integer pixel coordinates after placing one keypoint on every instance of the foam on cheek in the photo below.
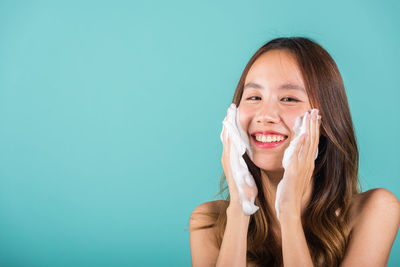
(299, 128)
(243, 135)
(238, 145)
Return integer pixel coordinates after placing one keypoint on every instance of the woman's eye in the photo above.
(249, 98)
(289, 99)
(293, 100)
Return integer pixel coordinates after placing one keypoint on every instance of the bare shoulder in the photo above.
(373, 199)
(211, 206)
(200, 215)
(203, 244)
(375, 221)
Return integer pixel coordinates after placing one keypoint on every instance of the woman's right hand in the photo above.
(249, 192)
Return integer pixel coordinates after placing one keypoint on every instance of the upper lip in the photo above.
(268, 133)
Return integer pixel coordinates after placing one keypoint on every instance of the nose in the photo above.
(268, 113)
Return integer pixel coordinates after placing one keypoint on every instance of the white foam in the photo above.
(299, 130)
(240, 142)
(238, 145)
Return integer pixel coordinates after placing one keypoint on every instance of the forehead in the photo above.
(274, 68)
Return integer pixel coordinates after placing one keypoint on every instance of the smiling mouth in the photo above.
(267, 144)
(275, 139)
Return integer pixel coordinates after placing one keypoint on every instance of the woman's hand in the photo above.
(233, 190)
(241, 184)
(299, 169)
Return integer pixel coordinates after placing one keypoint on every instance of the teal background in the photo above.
(110, 115)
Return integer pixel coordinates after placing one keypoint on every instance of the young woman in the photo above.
(324, 220)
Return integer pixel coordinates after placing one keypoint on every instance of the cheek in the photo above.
(291, 120)
(245, 116)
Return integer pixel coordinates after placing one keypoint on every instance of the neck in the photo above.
(270, 181)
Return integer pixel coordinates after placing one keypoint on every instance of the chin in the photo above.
(268, 163)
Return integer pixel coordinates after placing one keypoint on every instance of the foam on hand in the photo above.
(239, 142)
(299, 129)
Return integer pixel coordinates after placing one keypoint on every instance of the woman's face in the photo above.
(269, 103)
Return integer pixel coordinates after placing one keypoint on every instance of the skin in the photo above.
(271, 108)
(374, 214)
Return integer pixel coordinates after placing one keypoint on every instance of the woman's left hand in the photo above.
(298, 173)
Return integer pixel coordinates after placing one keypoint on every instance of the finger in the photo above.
(227, 159)
(227, 144)
(306, 149)
(222, 136)
(313, 124)
(299, 148)
(316, 137)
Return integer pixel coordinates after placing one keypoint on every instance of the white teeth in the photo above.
(269, 138)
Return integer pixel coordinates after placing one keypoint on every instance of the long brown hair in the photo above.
(336, 168)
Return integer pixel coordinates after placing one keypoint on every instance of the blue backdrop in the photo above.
(110, 115)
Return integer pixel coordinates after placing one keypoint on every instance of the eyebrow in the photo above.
(286, 86)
